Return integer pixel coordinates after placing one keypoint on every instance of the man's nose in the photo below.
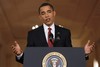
(46, 15)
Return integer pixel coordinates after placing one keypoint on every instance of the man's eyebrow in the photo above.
(42, 12)
(49, 10)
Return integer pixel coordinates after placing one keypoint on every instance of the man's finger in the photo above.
(16, 43)
(92, 49)
(13, 44)
(15, 52)
(93, 44)
(88, 43)
(12, 47)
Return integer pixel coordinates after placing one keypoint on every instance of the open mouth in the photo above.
(47, 20)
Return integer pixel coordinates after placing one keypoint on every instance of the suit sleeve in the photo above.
(21, 59)
(68, 39)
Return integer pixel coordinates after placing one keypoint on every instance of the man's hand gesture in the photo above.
(16, 48)
(89, 47)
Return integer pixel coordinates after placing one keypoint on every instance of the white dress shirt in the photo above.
(46, 30)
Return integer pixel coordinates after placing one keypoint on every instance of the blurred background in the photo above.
(17, 17)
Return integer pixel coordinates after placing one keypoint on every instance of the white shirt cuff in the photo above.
(19, 56)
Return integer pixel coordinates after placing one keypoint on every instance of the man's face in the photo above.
(47, 15)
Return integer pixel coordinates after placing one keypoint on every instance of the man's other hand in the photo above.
(89, 47)
(16, 48)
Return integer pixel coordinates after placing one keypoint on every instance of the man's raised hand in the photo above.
(16, 48)
(89, 47)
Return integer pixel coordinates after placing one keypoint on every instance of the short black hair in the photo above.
(45, 4)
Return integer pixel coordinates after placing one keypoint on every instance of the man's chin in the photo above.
(48, 23)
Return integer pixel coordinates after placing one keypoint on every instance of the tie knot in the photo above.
(49, 29)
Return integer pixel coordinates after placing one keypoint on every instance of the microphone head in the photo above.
(51, 36)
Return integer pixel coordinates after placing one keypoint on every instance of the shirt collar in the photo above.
(46, 27)
(46, 30)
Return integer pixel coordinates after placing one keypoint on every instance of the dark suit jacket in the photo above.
(36, 38)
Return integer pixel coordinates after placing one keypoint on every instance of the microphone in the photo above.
(51, 37)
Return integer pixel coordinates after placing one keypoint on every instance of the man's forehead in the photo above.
(45, 8)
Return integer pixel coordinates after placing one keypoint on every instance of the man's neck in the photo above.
(48, 25)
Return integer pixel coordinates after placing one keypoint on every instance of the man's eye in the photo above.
(42, 13)
(49, 11)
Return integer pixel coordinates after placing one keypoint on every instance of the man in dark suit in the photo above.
(36, 38)
(48, 35)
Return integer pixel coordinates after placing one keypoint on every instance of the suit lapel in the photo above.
(42, 37)
(57, 35)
